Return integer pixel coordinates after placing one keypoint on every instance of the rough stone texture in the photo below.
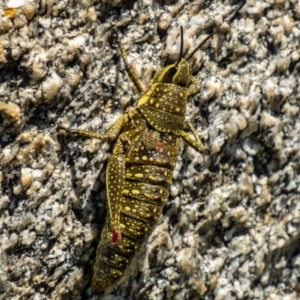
(231, 227)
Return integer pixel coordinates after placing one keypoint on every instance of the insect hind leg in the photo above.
(115, 177)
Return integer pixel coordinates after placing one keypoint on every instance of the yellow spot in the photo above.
(157, 105)
(177, 109)
(136, 158)
(125, 192)
(181, 95)
(127, 208)
(139, 175)
(122, 226)
(135, 192)
(10, 13)
(144, 157)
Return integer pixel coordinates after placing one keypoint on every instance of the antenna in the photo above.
(181, 47)
(200, 45)
(212, 34)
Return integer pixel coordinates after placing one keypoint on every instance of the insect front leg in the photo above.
(194, 89)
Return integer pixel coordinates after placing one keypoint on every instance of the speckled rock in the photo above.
(231, 227)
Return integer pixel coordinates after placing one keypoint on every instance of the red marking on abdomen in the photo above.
(115, 236)
(159, 143)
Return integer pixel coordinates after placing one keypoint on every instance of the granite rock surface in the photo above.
(231, 228)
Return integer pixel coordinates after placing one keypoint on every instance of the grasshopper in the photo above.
(139, 171)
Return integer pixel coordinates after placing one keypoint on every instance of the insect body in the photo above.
(139, 171)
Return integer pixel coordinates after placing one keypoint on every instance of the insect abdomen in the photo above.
(148, 175)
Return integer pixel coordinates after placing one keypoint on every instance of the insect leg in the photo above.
(194, 131)
(194, 89)
(129, 69)
(110, 135)
(196, 142)
(115, 177)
